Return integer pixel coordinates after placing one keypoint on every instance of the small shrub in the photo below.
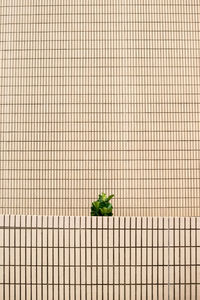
(102, 206)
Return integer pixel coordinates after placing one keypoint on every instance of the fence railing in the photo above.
(43, 257)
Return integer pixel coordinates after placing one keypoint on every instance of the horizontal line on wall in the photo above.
(95, 94)
(94, 13)
(101, 265)
(5, 32)
(93, 67)
(107, 179)
(55, 103)
(150, 57)
(93, 188)
(186, 198)
(107, 22)
(104, 150)
(96, 131)
(32, 284)
(180, 199)
(100, 170)
(103, 5)
(104, 141)
(29, 40)
(100, 113)
(114, 76)
(104, 85)
(104, 160)
(36, 122)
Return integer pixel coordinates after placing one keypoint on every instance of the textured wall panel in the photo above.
(117, 258)
(100, 96)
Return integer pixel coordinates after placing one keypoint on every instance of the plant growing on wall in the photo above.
(102, 206)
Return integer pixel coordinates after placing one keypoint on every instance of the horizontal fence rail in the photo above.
(76, 258)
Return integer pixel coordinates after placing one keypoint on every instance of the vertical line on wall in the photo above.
(190, 248)
(125, 284)
(74, 252)
(152, 256)
(58, 253)
(31, 258)
(163, 258)
(69, 230)
(80, 245)
(25, 250)
(130, 259)
(9, 258)
(136, 258)
(147, 261)
(85, 259)
(168, 263)
(15, 263)
(185, 259)
(179, 258)
(48, 257)
(20, 255)
(103, 258)
(91, 260)
(174, 256)
(97, 259)
(196, 278)
(119, 258)
(113, 241)
(35, 239)
(64, 261)
(52, 257)
(141, 262)
(4, 257)
(157, 250)
(108, 261)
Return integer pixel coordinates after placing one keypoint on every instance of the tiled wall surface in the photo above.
(78, 258)
(100, 96)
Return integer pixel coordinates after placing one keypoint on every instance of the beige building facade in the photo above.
(98, 97)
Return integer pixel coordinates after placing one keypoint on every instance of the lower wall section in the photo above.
(99, 258)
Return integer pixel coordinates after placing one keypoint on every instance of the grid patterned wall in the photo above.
(100, 96)
(117, 258)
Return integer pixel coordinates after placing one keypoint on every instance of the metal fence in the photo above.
(115, 258)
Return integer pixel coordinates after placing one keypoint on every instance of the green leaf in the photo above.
(110, 197)
(109, 206)
(96, 204)
(109, 209)
(100, 198)
(103, 197)
(103, 211)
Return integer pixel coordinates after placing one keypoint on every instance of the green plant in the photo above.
(102, 206)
